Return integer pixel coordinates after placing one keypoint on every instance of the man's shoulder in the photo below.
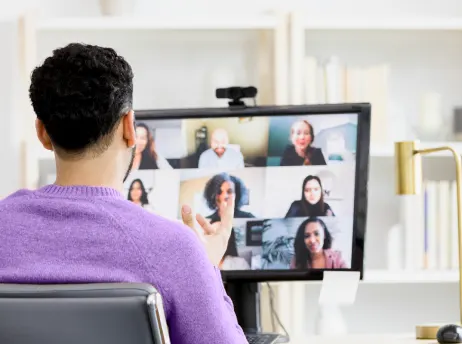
(16, 196)
(235, 152)
(207, 153)
(152, 226)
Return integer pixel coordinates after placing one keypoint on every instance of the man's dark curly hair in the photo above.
(80, 93)
(213, 188)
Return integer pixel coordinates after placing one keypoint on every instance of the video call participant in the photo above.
(138, 195)
(82, 96)
(312, 200)
(146, 157)
(300, 151)
(220, 154)
(219, 190)
(231, 259)
(312, 247)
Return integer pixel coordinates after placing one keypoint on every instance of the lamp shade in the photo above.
(408, 168)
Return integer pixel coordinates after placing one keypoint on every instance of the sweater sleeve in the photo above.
(198, 310)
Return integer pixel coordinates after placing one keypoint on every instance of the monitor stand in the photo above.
(246, 300)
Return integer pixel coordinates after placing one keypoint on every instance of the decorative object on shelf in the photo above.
(429, 223)
(457, 124)
(395, 248)
(430, 121)
(408, 170)
(117, 7)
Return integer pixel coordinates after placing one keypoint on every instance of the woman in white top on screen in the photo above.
(146, 157)
(300, 151)
(138, 195)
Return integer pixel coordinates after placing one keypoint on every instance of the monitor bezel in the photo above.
(363, 110)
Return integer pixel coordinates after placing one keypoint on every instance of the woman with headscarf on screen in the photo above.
(313, 247)
(146, 157)
(312, 200)
(217, 192)
(300, 151)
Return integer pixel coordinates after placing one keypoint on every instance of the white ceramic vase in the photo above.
(117, 7)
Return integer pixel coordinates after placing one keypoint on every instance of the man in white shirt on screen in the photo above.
(220, 154)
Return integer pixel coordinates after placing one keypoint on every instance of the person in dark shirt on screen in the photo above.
(217, 192)
(300, 151)
(82, 229)
(312, 200)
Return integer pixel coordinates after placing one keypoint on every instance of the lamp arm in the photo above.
(457, 160)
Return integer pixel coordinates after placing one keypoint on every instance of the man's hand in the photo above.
(214, 236)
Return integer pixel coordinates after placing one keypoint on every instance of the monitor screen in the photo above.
(293, 175)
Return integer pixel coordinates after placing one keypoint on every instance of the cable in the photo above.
(274, 314)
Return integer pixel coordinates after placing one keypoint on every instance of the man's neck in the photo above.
(94, 172)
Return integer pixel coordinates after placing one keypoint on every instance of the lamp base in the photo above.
(427, 331)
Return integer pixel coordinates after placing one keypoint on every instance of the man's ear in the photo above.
(129, 128)
(43, 135)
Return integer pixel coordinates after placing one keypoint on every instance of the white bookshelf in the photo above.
(423, 54)
(178, 59)
(416, 46)
(388, 150)
(244, 22)
(381, 23)
(404, 276)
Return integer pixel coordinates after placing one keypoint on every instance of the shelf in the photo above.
(400, 277)
(425, 276)
(371, 23)
(388, 150)
(254, 22)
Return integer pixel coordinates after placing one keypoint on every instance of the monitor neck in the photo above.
(246, 300)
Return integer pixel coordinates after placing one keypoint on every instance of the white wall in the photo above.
(10, 114)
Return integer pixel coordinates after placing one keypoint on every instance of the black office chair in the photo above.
(125, 313)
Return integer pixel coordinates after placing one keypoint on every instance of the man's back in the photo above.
(91, 234)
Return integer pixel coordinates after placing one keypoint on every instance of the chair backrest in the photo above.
(119, 313)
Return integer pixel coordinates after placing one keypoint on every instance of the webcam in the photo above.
(236, 94)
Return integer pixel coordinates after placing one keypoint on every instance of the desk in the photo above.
(362, 339)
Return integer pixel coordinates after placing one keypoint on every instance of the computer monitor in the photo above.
(299, 176)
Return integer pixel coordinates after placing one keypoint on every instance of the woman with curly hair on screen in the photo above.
(218, 190)
(313, 247)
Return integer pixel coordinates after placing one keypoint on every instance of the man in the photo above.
(220, 154)
(81, 229)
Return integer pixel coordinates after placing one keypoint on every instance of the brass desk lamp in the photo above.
(408, 169)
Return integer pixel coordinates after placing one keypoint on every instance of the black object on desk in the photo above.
(449, 334)
(262, 338)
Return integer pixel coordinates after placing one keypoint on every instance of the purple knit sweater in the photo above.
(92, 234)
